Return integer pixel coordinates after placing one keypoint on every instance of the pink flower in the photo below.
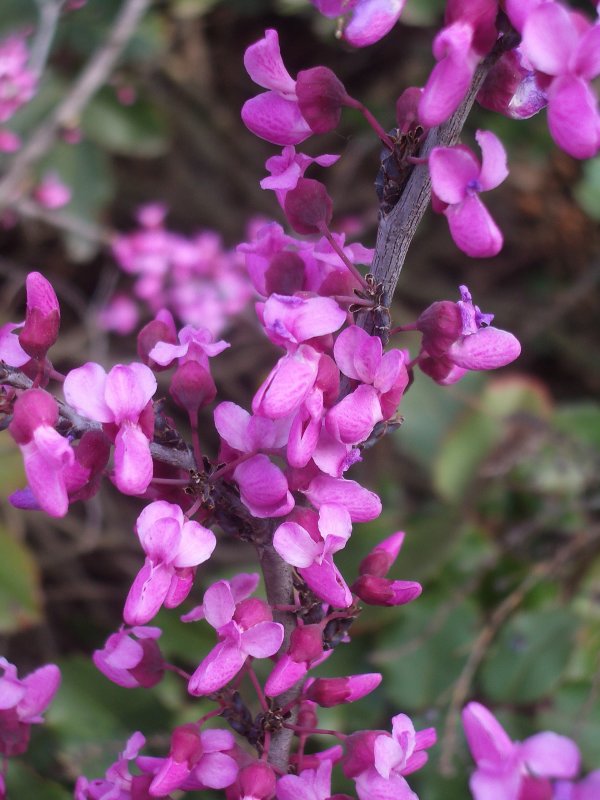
(118, 783)
(458, 337)
(457, 178)
(39, 330)
(46, 454)
(365, 21)
(132, 658)
(311, 550)
(328, 692)
(196, 760)
(586, 789)
(51, 192)
(263, 488)
(361, 504)
(17, 82)
(22, 703)
(512, 88)
(562, 44)
(287, 169)
(503, 766)
(291, 320)
(122, 399)
(195, 344)
(245, 629)
(174, 547)
(310, 784)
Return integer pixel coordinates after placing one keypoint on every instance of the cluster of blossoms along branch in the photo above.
(280, 479)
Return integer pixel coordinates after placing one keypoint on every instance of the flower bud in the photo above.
(321, 96)
(33, 408)
(306, 643)
(407, 109)
(328, 692)
(382, 556)
(441, 325)
(192, 387)
(251, 612)
(307, 715)
(511, 89)
(285, 274)
(382, 592)
(257, 781)
(42, 317)
(160, 329)
(308, 207)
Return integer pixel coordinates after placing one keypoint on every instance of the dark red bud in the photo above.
(160, 329)
(307, 715)
(377, 563)
(192, 387)
(308, 207)
(321, 96)
(251, 611)
(407, 109)
(306, 643)
(328, 692)
(186, 745)
(441, 324)
(33, 408)
(151, 668)
(383, 592)
(257, 781)
(42, 317)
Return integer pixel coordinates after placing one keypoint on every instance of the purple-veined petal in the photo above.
(573, 117)
(221, 665)
(264, 64)
(196, 545)
(493, 162)
(263, 487)
(275, 119)
(327, 583)
(41, 686)
(263, 639)
(371, 786)
(295, 545)
(243, 584)
(219, 604)
(84, 390)
(133, 462)
(357, 354)
(170, 776)
(388, 754)
(284, 675)
(288, 384)
(489, 743)
(231, 421)
(549, 38)
(334, 520)
(154, 512)
(473, 229)
(489, 348)
(452, 169)
(304, 318)
(11, 351)
(160, 541)
(354, 417)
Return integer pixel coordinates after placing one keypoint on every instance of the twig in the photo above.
(94, 75)
(507, 607)
(40, 49)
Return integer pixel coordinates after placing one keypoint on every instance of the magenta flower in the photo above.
(22, 703)
(512, 88)
(17, 82)
(457, 178)
(273, 115)
(365, 21)
(131, 657)
(195, 344)
(560, 43)
(310, 784)
(287, 169)
(263, 487)
(39, 331)
(586, 789)
(196, 760)
(244, 629)
(310, 549)
(122, 399)
(458, 337)
(174, 547)
(291, 320)
(373, 587)
(328, 692)
(503, 766)
(51, 192)
(118, 782)
(287, 385)
(361, 504)
(248, 433)
(46, 454)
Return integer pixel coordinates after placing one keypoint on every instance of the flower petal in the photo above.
(473, 229)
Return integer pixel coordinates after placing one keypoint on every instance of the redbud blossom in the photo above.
(42, 317)
(132, 657)
(328, 692)
(321, 96)
(512, 88)
(382, 556)
(308, 207)
(118, 782)
(503, 765)
(22, 703)
(457, 178)
(365, 21)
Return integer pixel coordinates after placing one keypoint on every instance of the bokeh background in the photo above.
(496, 480)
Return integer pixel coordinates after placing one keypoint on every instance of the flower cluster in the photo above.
(18, 84)
(195, 277)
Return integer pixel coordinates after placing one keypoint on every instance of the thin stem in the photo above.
(178, 671)
(383, 135)
(40, 49)
(402, 328)
(170, 481)
(228, 467)
(195, 439)
(346, 298)
(257, 688)
(335, 246)
(210, 714)
(314, 731)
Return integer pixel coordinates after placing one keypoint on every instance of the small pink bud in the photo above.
(42, 317)
(328, 692)
(308, 207)
(307, 715)
(383, 592)
(407, 109)
(192, 387)
(306, 643)
(382, 556)
(257, 781)
(321, 96)
(186, 744)
(33, 408)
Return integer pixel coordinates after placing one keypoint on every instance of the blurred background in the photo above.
(496, 480)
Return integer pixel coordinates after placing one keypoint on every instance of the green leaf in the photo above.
(587, 191)
(137, 130)
(529, 657)
(581, 421)
(24, 782)
(423, 653)
(17, 15)
(20, 591)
